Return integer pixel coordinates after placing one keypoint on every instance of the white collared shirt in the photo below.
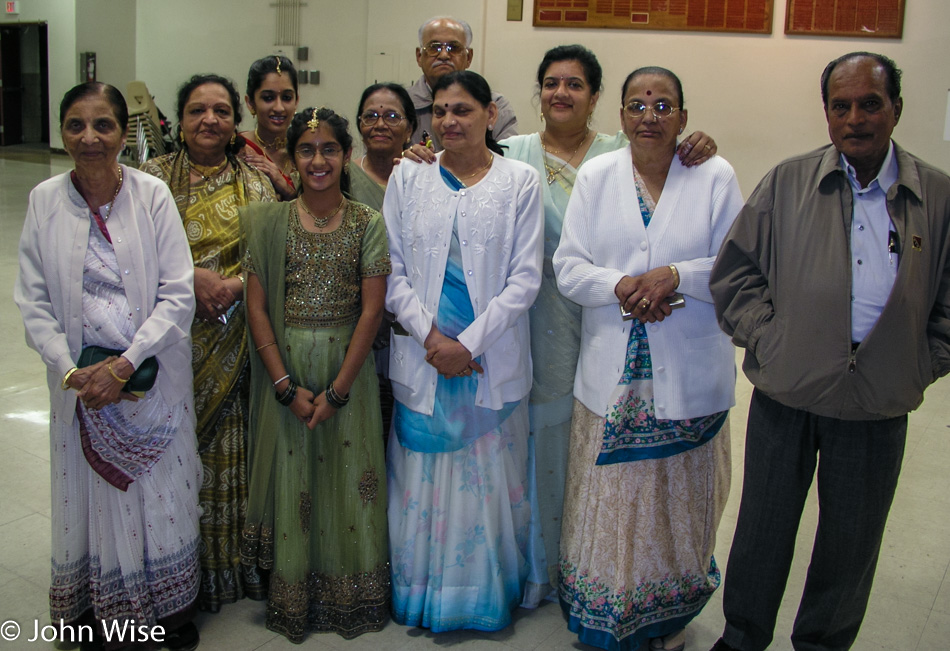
(874, 256)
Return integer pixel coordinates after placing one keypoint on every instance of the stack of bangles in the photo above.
(334, 399)
(288, 394)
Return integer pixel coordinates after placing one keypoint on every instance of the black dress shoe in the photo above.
(720, 645)
(183, 638)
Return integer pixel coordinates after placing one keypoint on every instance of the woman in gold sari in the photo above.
(209, 185)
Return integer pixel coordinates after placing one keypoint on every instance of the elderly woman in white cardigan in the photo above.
(649, 468)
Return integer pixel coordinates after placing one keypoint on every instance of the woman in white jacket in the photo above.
(104, 262)
(465, 241)
(648, 474)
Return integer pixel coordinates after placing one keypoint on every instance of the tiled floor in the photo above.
(910, 604)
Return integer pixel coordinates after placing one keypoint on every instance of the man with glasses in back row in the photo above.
(445, 45)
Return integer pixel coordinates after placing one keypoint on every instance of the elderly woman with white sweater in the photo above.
(649, 467)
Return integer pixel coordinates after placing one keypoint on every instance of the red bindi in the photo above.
(649, 92)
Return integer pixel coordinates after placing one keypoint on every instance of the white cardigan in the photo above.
(500, 221)
(157, 274)
(604, 240)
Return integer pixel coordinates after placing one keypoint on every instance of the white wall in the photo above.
(107, 27)
(178, 38)
(63, 60)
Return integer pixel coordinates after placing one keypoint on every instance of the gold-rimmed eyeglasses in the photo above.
(390, 118)
(660, 110)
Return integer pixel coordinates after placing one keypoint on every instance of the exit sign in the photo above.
(13, 7)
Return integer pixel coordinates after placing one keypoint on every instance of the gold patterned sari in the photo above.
(209, 211)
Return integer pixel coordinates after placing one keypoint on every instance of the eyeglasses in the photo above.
(390, 118)
(660, 110)
(435, 48)
(307, 152)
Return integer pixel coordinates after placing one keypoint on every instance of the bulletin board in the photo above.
(862, 18)
(753, 16)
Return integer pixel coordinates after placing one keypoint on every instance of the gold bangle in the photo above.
(676, 276)
(111, 371)
(67, 376)
(260, 348)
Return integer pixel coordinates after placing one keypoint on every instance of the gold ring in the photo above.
(707, 147)
(644, 303)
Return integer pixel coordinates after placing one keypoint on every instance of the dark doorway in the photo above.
(24, 84)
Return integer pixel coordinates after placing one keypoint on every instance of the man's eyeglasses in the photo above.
(435, 48)
(390, 118)
(660, 110)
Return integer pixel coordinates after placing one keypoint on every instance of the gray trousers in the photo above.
(858, 466)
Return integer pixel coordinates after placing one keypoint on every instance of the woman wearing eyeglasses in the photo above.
(648, 471)
(386, 120)
(316, 280)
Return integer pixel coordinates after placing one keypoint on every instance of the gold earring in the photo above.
(253, 113)
(541, 115)
(233, 136)
(590, 119)
(181, 135)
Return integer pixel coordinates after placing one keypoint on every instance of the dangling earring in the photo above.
(233, 136)
(181, 135)
(253, 113)
(541, 115)
(590, 119)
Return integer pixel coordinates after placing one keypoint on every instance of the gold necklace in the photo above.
(491, 159)
(552, 172)
(277, 144)
(321, 222)
(208, 172)
(114, 197)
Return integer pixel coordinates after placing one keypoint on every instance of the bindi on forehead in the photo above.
(649, 92)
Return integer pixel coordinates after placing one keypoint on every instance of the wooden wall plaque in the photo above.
(862, 18)
(753, 16)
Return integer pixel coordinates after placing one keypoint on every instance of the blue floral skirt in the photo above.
(460, 544)
(637, 541)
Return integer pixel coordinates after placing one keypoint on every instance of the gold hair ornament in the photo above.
(279, 73)
(314, 122)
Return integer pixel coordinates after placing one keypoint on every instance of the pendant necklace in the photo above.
(321, 222)
(552, 172)
(208, 172)
(277, 144)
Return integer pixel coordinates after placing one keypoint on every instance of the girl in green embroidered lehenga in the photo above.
(316, 280)
(209, 185)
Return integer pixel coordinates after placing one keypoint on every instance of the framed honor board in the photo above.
(863, 18)
(753, 16)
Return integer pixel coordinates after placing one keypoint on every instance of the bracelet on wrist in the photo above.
(676, 276)
(334, 399)
(279, 380)
(67, 376)
(288, 395)
(114, 374)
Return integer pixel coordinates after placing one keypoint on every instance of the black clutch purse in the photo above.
(142, 379)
